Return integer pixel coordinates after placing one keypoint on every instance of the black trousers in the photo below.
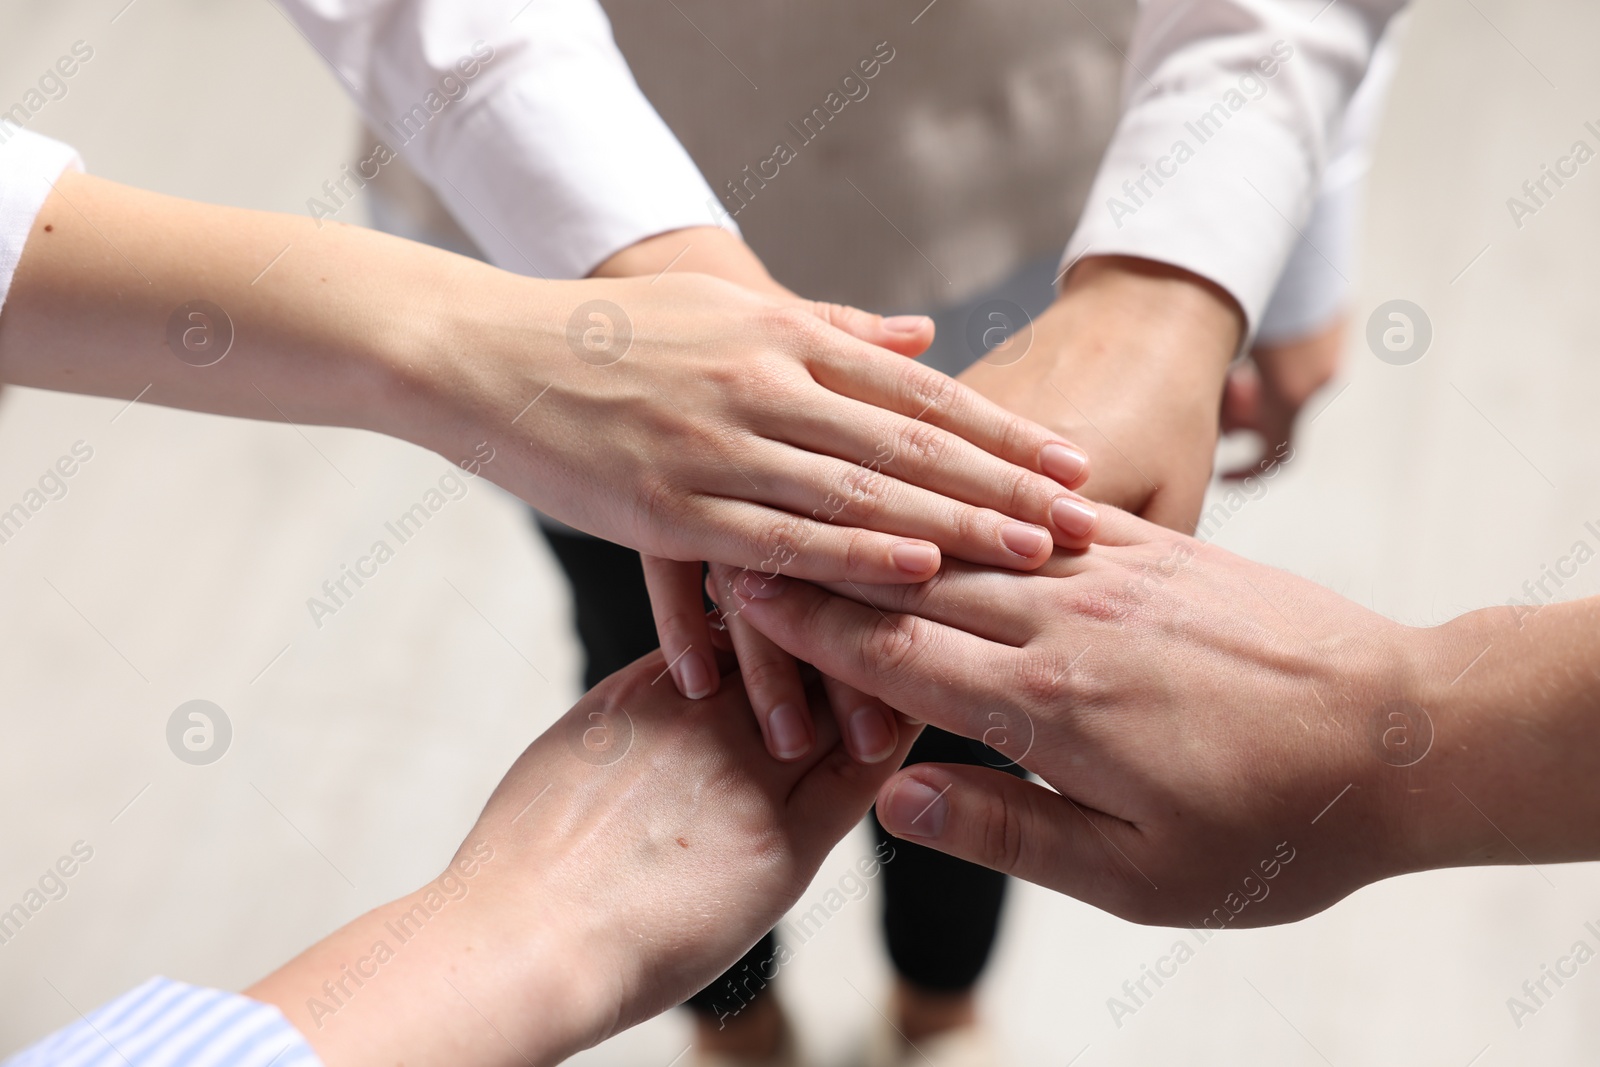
(940, 914)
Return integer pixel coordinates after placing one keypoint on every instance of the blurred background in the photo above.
(178, 565)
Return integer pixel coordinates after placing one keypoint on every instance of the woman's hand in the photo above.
(771, 676)
(680, 415)
(1221, 742)
(694, 419)
(638, 847)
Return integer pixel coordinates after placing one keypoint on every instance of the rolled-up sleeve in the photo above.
(29, 166)
(527, 123)
(1233, 109)
(163, 1023)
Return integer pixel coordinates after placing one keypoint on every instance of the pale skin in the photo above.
(1191, 711)
(635, 848)
(1131, 362)
(721, 431)
(730, 420)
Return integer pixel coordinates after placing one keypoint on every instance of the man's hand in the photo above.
(1224, 744)
(1128, 363)
(633, 851)
(1265, 393)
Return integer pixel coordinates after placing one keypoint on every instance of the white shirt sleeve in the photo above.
(1233, 111)
(1316, 280)
(528, 124)
(29, 164)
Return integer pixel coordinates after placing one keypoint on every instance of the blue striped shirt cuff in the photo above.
(168, 1024)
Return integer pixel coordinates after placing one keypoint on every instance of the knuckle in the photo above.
(894, 645)
(662, 503)
(862, 552)
(1021, 497)
(778, 547)
(864, 490)
(835, 315)
(794, 324)
(1041, 682)
(677, 626)
(768, 382)
(1108, 603)
(973, 526)
(1013, 436)
(927, 390)
(920, 445)
(766, 675)
(1001, 835)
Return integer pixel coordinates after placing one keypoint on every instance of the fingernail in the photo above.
(914, 558)
(1025, 540)
(869, 735)
(1073, 516)
(915, 809)
(786, 727)
(905, 323)
(1065, 465)
(694, 677)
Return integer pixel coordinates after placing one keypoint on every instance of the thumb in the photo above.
(909, 335)
(993, 819)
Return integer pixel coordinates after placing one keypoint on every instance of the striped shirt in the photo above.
(168, 1024)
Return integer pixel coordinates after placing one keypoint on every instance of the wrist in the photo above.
(1403, 727)
(1195, 327)
(1510, 777)
(460, 972)
(442, 377)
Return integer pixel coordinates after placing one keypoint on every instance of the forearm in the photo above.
(1514, 698)
(338, 325)
(414, 983)
(698, 249)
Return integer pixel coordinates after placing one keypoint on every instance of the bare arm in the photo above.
(731, 419)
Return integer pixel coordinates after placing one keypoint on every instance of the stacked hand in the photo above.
(677, 413)
(833, 460)
(1197, 718)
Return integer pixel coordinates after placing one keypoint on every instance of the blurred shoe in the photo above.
(787, 1055)
(967, 1046)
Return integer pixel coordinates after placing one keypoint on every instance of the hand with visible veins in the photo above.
(1192, 712)
(631, 854)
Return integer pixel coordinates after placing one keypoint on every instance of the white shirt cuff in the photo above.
(1172, 189)
(618, 178)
